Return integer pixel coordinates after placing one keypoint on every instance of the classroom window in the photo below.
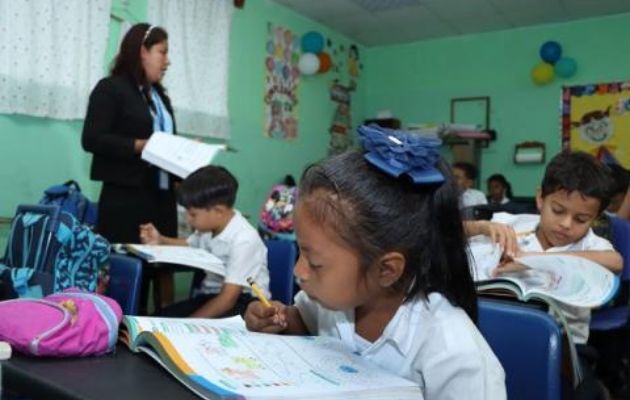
(52, 55)
(197, 80)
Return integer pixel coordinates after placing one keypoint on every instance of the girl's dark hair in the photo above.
(289, 181)
(581, 172)
(374, 213)
(207, 187)
(501, 179)
(128, 62)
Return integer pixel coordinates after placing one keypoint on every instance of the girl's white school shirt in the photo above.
(429, 342)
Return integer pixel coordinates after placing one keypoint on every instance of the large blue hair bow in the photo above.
(398, 152)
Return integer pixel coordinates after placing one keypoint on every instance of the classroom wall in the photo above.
(416, 81)
(39, 152)
(260, 161)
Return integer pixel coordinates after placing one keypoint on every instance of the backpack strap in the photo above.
(27, 221)
(20, 278)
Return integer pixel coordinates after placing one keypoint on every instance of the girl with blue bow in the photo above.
(383, 267)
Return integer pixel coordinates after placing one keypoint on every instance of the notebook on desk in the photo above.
(220, 359)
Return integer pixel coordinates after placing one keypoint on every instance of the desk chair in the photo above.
(124, 282)
(609, 325)
(528, 343)
(281, 258)
(616, 317)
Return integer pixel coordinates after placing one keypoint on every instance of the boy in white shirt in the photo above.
(465, 175)
(575, 190)
(208, 195)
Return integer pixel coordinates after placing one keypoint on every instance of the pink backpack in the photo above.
(67, 324)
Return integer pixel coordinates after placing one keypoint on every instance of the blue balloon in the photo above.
(566, 67)
(550, 52)
(312, 42)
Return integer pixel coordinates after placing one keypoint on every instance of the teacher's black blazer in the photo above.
(117, 114)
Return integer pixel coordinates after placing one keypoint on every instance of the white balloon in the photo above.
(309, 63)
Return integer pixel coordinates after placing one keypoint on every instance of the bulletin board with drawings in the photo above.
(596, 119)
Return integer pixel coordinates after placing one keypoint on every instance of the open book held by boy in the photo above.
(574, 192)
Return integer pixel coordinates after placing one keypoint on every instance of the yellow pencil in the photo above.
(258, 292)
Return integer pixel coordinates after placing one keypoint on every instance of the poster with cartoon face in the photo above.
(596, 119)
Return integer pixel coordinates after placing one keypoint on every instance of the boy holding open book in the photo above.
(575, 190)
(208, 195)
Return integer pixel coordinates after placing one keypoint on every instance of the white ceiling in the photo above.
(385, 22)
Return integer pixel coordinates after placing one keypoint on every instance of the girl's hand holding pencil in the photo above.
(267, 319)
(263, 315)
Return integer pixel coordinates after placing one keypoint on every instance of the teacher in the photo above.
(123, 112)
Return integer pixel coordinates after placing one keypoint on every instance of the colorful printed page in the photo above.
(181, 255)
(568, 279)
(228, 361)
(186, 326)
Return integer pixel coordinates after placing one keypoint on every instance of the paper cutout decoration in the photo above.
(341, 125)
(281, 81)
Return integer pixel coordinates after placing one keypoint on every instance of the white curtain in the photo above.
(51, 55)
(197, 80)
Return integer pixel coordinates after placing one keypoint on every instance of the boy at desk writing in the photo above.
(575, 190)
(208, 195)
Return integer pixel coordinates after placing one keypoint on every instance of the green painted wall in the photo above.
(416, 81)
(260, 161)
(38, 152)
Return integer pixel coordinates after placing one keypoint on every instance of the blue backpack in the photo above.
(68, 196)
(49, 252)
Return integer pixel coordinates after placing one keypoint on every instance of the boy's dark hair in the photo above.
(374, 213)
(207, 187)
(503, 181)
(621, 179)
(581, 172)
(469, 170)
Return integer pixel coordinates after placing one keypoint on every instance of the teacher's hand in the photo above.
(138, 145)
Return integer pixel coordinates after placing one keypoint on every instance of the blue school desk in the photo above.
(121, 376)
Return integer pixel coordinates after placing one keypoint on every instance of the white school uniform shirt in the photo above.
(429, 342)
(577, 318)
(473, 197)
(242, 251)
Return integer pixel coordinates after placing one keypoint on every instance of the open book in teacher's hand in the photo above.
(180, 255)
(568, 279)
(220, 359)
(177, 154)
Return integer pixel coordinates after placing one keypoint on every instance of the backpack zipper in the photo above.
(105, 311)
(34, 343)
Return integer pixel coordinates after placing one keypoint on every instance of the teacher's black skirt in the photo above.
(121, 210)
